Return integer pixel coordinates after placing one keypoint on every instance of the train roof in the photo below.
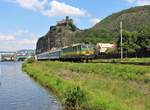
(55, 50)
(43, 53)
(77, 44)
(73, 45)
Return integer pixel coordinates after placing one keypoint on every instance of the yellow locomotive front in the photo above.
(87, 51)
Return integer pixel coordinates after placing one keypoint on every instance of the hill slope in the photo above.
(134, 19)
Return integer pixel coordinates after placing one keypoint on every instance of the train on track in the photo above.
(84, 52)
(75, 52)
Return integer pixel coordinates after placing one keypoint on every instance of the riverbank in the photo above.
(136, 61)
(95, 86)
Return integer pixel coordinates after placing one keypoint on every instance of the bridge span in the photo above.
(16, 55)
(7, 56)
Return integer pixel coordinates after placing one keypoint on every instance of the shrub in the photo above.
(24, 66)
(74, 97)
(146, 80)
(113, 61)
(30, 60)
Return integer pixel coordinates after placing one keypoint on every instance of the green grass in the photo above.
(95, 86)
(134, 60)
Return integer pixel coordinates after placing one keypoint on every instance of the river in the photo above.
(19, 92)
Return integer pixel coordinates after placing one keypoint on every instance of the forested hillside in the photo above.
(135, 20)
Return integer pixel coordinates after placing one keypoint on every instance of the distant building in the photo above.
(103, 47)
(66, 21)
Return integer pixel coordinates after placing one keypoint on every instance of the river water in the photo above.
(19, 92)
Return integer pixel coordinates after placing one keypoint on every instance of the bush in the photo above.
(30, 60)
(75, 97)
(24, 65)
(113, 61)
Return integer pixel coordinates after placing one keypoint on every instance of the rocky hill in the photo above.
(63, 34)
(134, 19)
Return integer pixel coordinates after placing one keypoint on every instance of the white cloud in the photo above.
(7, 37)
(58, 9)
(95, 20)
(24, 33)
(143, 2)
(139, 2)
(131, 1)
(28, 42)
(52, 8)
(21, 39)
(31, 4)
(21, 32)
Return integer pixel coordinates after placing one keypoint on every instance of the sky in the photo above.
(22, 22)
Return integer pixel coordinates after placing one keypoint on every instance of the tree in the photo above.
(129, 42)
(144, 38)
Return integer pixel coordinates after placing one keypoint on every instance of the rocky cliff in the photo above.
(63, 34)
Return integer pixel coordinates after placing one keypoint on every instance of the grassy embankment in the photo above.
(95, 86)
(125, 60)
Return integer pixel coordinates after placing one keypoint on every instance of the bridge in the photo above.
(20, 55)
(7, 56)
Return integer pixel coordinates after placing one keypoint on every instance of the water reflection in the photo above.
(19, 92)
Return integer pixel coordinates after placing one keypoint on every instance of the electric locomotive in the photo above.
(78, 52)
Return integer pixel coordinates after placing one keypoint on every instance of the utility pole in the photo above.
(48, 43)
(121, 40)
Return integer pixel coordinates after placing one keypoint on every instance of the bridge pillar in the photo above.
(0, 57)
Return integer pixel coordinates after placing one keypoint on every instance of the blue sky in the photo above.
(22, 22)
